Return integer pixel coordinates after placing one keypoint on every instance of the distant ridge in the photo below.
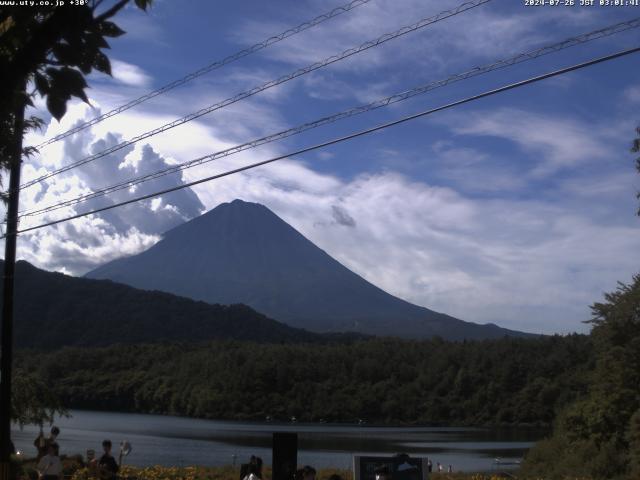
(242, 252)
(53, 310)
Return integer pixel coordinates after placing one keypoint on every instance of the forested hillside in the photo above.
(54, 310)
(507, 381)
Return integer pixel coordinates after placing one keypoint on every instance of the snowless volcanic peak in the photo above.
(242, 252)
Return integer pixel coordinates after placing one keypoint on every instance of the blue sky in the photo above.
(518, 209)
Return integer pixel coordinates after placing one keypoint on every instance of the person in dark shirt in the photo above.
(107, 464)
(42, 443)
(259, 467)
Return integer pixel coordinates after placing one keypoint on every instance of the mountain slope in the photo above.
(54, 310)
(242, 252)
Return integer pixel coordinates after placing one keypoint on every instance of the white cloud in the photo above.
(632, 94)
(82, 244)
(532, 265)
(129, 74)
(473, 171)
(522, 264)
(486, 32)
(556, 142)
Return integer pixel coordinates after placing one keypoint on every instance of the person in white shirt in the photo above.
(50, 467)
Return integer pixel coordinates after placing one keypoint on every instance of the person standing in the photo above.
(107, 464)
(49, 466)
(244, 468)
(42, 444)
(259, 467)
(308, 473)
(251, 472)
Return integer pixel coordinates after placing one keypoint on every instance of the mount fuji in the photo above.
(242, 252)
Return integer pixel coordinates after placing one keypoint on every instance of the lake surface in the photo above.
(166, 440)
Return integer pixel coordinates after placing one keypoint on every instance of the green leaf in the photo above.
(110, 29)
(64, 83)
(66, 54)
(143, 4)
(29, 151)
(33, 123)
(42, 84)
(73, 82)
(86, 61)
(96, 41)
(101, 63)
(57, 105)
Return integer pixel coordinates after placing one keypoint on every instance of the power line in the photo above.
(338, 140)
(520, 58)
(209, 68)
(302, 71)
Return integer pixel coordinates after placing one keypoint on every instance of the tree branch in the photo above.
(112, 11)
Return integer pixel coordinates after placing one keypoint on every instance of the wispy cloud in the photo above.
(529, 265)
(632, 94)
(480, 34)
(554, 142)
(468, 240)
(129, 74)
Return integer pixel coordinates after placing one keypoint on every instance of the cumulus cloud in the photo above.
(82, 244)
(454, 242)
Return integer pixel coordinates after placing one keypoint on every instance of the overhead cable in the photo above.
(209, 68)
(520, 58)
(336, 140)
(241, 96)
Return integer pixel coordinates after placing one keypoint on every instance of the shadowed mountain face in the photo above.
(242, 252)
(54, 310)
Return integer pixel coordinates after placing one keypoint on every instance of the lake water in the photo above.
(166, 440)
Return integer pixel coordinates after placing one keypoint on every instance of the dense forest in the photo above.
(598, 435)
(55, 310)
(498, 382)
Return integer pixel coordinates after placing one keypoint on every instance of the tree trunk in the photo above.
(6, 342)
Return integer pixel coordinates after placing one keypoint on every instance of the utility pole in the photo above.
(6, 340)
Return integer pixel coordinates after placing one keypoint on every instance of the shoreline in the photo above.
(176, 441)
(280, 423)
